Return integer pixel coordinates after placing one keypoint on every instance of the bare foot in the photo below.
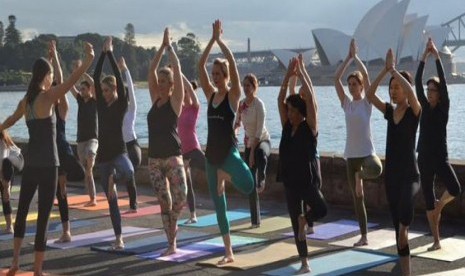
(169, 251)
(362, 242)
(222, 177)
(220, 187)
(12, 271)
(302, 235)
(191, 220)
(9, 229)
(303, 269)
(261, 188)
(119, 244)
(226, 260)
(310, 231)
(91, 203)
(65, 237)
(131, 211)
(434, 247)
(6, 193)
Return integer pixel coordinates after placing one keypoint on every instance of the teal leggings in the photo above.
(241, 178)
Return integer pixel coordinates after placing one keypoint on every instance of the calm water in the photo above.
(331, 119)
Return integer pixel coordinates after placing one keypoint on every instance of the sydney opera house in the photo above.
(386, 25)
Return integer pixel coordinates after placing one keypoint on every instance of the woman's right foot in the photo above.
(302, 234)
(91, 203)
(65, 237)
(303, 269)
(169, 251)
(362, 242)
(12, 271)
(434, 247)
(9, 229)
(226, 260)
(191, 220)
(111, 187)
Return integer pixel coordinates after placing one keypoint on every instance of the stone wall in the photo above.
(335, 188)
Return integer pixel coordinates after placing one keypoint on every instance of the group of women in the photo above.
(106, 135)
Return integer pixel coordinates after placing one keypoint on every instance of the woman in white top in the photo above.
(251, 113)
(129, 134)
(6, 177)
(360, 155)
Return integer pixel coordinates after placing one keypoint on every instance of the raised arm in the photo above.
(371, 91)
(192, 98)
(132, 107)
(97, 76)
(235, 91)
(152, 77)
(341, 70)
(282, 108)
(292, 85)
(177, 97)
(55, 60)
(13, 118)
(122, 95)
(443, 92)
(58, 91)
(205, 83)
(308, 95)
(419, 78)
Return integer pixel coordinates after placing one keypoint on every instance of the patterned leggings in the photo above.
(172, 193)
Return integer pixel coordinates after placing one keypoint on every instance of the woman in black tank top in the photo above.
(224, 162)
(165, 159)
(41, 161)
(401, 170)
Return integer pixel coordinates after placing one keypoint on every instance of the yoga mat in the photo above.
(151, 210)
(455, 272)
(99, 236)
(259, 256)
(202, 248)
(101, 205)
(3, 272)
(340, 263)
(334, 229)
(210, 220)
(267, 225)
(377, 239)
(32, 216)
(52, 228)
(152, 243)
(185, 253)
(77, 200)
(451, 250)
(236, 241)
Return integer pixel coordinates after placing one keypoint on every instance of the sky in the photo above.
(270, 24)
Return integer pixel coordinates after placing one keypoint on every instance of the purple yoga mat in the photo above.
(334, 229)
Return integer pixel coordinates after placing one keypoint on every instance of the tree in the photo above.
(2, 33)
(130, 35)
(12, 35)
(189, 52)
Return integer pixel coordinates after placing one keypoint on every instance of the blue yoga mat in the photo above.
(153, 243)
(236, 241)
(52, 228)
(210, 220)
(340, 263)
(334, 229)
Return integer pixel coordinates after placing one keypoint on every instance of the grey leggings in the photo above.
(369, 167)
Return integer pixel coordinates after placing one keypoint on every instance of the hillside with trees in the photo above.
(17, 57)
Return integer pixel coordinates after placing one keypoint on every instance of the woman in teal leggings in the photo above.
(224, 162)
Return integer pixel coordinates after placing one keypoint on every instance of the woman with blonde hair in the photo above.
(165, 158)
(224, 162)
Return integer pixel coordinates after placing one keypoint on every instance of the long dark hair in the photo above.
(40, 69)
(298, 103)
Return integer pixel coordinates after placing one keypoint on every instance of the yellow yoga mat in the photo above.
(266, 225)
(259, 256)
(451, 250)
(32, 216)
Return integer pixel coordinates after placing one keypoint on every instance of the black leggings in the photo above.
(8, 172)
(135, 155)
(197, 161)
(262, 152)
(45, 179)
(401, 198)
(73, 170)
(431, 167)
(312, 197)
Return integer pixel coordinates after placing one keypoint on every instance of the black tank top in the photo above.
(87, 127)
(221, 136)
(163, 134)
(42, 148)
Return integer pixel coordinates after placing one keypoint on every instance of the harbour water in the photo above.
(332, 130)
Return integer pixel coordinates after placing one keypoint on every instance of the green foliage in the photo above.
(188, 50)
(11, 77)
(12, 35)
(2, 33)
(130, 35)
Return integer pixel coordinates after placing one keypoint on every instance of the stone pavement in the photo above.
(83, 261)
